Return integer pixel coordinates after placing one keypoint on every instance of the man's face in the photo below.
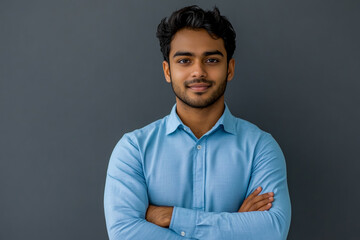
(197, 68)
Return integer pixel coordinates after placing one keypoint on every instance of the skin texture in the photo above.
(198, 72)
(159, 215)
(256, 202)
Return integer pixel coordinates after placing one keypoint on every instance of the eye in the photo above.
(212, 60)
(183, 61)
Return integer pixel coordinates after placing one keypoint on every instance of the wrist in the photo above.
(160, 216)
(167, 216)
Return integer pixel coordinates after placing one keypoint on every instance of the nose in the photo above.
(198, 70)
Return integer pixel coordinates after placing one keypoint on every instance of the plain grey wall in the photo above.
(76, 75)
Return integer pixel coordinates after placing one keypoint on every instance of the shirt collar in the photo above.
(173, 121)
(227, 120)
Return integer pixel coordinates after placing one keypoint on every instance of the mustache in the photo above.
(187, 83)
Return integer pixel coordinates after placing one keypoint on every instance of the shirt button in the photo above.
(198, 147)
(182, 233)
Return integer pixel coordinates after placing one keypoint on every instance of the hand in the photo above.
(160, 216)
(256, 202)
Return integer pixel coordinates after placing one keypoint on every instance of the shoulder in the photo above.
(252, 135)
(146, 133)
(264, 148)
(131, 145)
(249, 130)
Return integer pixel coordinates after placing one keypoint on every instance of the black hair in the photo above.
(193, 17)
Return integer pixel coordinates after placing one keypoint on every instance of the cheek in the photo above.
(217, 74)
(179, 74)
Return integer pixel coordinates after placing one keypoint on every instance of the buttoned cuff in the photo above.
(183, 221)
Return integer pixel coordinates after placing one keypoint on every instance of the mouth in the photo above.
(199, 87)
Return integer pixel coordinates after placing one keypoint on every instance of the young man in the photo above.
(199, 172)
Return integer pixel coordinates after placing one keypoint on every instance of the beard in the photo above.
(199, 103)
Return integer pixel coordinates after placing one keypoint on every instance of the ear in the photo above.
(166, 69)
(231, 69)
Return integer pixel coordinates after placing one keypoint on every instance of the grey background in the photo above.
(76, 75)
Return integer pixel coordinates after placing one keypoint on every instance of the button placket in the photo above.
(199, 161)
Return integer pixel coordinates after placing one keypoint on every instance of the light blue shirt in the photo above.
(206, 180)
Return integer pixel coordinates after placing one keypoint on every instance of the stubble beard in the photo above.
(200, 104)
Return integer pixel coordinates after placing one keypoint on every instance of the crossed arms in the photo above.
(130, 216)
(161, 215)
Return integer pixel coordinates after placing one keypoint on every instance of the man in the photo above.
(198, 173)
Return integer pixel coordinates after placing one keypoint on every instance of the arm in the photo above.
(269, 171)
(126, 199)
(161, 215)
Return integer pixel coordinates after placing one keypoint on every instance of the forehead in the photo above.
(196, 41)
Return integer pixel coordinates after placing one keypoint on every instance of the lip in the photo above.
(199, 87)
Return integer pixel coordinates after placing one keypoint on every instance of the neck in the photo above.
(200, 120)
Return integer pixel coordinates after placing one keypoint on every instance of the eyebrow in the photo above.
(189, 54)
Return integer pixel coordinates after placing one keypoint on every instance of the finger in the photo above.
(251, 204)
(260, 204)
(248, 201)
(253, 194)
(261, 197)
(266, 207)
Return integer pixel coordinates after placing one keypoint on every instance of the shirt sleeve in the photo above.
(126, 199)
(269, 172)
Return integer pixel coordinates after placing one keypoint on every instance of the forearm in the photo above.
(257, 225)
(138, 229)
(249, 225)
(125, 217)
(125, 213)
